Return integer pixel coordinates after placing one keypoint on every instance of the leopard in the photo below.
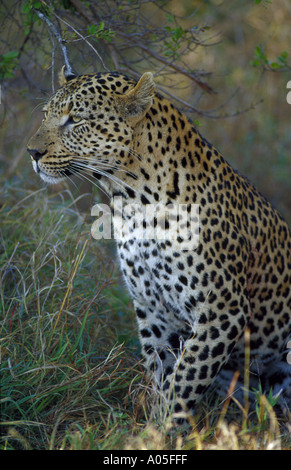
(218, 288)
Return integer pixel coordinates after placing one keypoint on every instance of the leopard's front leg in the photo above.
(184, 362)
(161, 345)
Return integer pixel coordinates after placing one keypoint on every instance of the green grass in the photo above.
(71, 374)
(62, 361)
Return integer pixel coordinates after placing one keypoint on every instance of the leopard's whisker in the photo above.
(114, 166)
(85, 171)
(67, 176)
(90, 158)
(83, 177)
(113, 178)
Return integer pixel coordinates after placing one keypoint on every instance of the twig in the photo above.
(59, 38)
(85, 40)
(53, 59)
(175, 67)
(80, 9)
(208, 114)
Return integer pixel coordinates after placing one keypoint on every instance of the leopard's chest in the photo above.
(158, 272)
(142, 266)
(155, 277)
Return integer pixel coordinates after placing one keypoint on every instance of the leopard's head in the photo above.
(88, 125)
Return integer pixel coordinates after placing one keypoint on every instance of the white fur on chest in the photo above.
(154, 281)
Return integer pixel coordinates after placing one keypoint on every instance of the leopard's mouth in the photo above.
(48, 177)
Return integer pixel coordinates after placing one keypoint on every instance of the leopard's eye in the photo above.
(74, 120)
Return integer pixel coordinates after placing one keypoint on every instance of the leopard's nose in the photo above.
(36, 155)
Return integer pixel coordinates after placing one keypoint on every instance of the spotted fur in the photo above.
(192, 306)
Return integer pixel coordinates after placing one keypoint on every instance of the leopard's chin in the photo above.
(50, 179)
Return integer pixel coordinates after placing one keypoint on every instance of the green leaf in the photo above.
(11, 55)
(255, 63)
(275, 65)
(283, 57)
(101, 26)
(8, 63)
(26, 8)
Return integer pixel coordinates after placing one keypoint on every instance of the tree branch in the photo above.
(59, 38)
(172, 65)
(85, 40)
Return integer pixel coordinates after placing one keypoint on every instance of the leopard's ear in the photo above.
(134, 104)
(65, 76)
